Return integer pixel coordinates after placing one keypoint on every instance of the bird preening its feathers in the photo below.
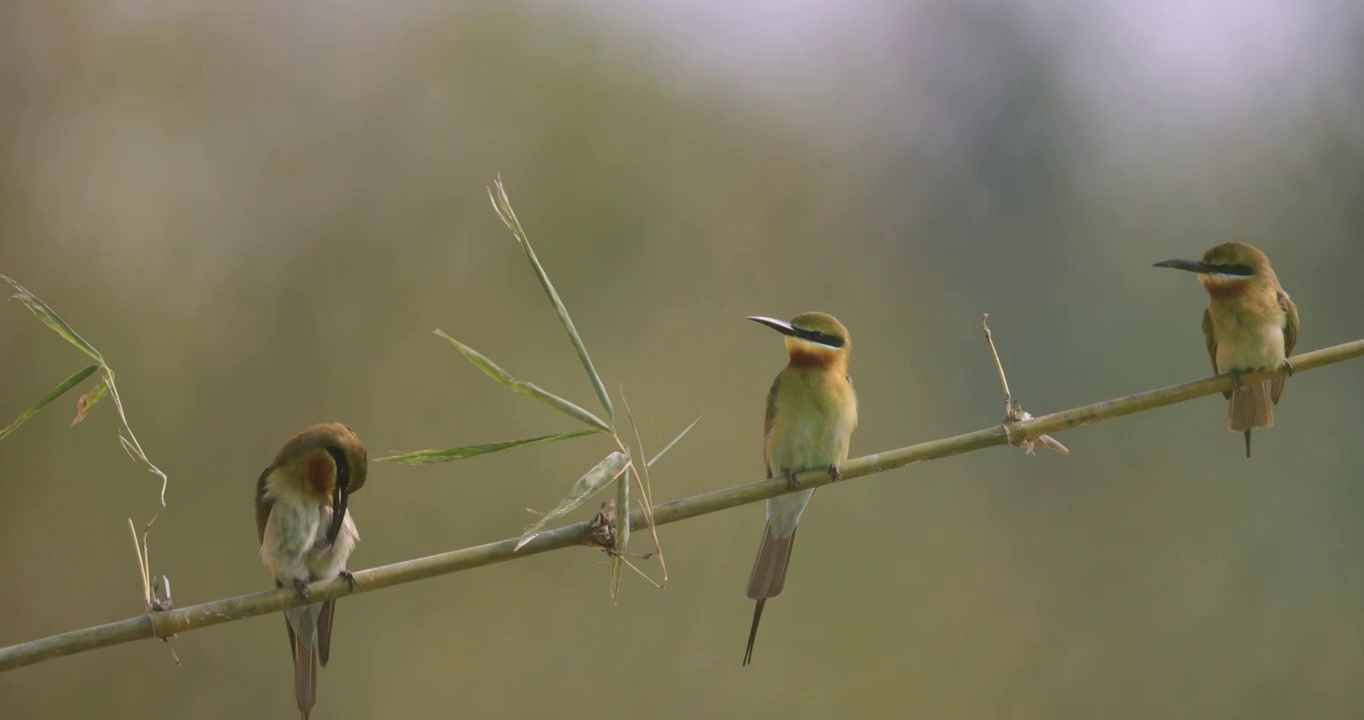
(306, 534)
(1250, 324)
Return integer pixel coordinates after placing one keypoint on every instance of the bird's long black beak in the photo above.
(339, 498)
(781, 326)
(1196, 266)
(340, 493)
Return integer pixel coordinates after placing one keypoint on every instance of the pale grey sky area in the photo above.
(1215, 56)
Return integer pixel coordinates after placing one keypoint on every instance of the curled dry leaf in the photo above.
(601, 530)
(89, 400)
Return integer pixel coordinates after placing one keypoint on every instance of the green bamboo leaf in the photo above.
(588, 485)
(530, 390)
(47, 399)
(51, 319)
(89, 400)
(502, 204)
(428, 457)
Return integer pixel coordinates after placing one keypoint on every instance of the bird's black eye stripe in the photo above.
(1236, 270)
(821, 337)
(342, 467)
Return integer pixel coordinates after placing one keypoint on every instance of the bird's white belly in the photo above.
(327, 560)
(295, 544)
(1264, 351)
(784, 511)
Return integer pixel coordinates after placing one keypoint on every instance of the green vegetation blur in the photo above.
(259, 212)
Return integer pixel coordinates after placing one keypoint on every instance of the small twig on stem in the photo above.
(1013, 410)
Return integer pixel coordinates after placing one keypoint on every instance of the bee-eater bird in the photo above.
(306, 535)
(811, 414)
(1250, 324)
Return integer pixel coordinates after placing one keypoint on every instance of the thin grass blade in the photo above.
(670, 445)
(646, 490)
(623, 495)
(623, 518)
(47, 399)
(428, 457)
(502, 204)
(588, 485)
(530, 390)
(51, 319)
(622, 531)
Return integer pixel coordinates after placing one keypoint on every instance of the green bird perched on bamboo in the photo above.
(811, 414)
(1250, 324)
(306, 534)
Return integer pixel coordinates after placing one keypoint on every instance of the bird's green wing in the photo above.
(263, 505)
(1290, 339)
(1211, 340)
(1290, 326)
(854, 397)
(768, 419)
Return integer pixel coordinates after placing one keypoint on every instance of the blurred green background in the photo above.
(259, 211)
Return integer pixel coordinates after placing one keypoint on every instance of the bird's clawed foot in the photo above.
(349, 577)
(1236, 380)
(1288, 368)
(302, 588)
(791, 480)
(835, 474)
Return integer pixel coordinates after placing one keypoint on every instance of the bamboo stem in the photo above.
(166, 623)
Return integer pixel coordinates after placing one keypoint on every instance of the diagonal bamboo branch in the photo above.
(167, 623)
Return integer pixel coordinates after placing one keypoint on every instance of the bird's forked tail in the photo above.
(768, 578)
(1249, 408)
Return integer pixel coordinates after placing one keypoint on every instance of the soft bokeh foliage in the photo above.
(259, 211)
